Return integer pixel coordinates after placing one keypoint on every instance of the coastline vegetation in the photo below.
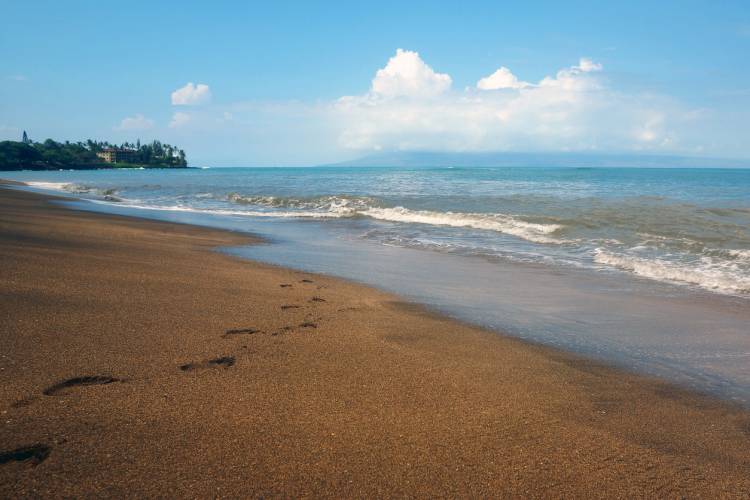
(52, 155)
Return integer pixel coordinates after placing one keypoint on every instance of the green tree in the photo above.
(50, 154)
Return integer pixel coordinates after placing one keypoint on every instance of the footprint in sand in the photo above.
(79, 381)
(34, 454)
(23, 402)
(282, 330)
(285, 285)
(317, 299)
(308, 324)
(241, 331)
(350, 308)
(225, 361)
(289, 306)
(306, 281)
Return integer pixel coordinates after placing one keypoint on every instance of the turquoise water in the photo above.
(684, 226)
(645, 268)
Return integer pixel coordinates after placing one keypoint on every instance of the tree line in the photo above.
(50, 154)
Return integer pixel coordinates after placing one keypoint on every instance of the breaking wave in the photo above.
(54, 186)
(669, 243)
(107, 194)
(506, 224)
(345, 206)
(708, 273)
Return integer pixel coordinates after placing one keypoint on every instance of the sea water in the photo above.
(645, 267)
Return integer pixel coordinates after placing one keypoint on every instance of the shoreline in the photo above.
(719, 389)
(96, 167)
(373, 396)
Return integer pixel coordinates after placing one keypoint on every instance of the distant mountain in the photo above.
(436, 159)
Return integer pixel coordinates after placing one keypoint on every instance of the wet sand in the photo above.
(135, 361)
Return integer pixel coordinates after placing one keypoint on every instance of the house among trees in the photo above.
(115, 155)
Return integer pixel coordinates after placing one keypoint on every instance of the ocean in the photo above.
(648, 268)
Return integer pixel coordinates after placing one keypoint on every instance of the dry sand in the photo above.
(135, 361)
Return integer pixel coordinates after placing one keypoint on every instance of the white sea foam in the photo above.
(68, 187)
(340, 206)
(344, 206)
(218, 211)
(740, 254)
(537, 233)
(106, 194)
(720, 276)
(51, 186)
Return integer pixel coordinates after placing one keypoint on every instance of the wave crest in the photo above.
(537, 233)
(332, 203)
(73, 188)
(362, 206)
(707, 273)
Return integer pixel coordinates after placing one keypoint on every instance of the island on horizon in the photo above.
(90, 155)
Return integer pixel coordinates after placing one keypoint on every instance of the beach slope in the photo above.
(135, 361)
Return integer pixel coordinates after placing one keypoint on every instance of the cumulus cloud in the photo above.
(411, 106)
(586, 65)
(137, 122)
(575, 78)
(570, 110)
(192, 95)
(406, 74)
(179, 119)
(501, 79)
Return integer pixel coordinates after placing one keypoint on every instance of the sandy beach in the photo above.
(137, 361)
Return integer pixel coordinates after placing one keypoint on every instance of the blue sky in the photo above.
(297, 82)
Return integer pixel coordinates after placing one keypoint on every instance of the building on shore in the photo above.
(115, 155)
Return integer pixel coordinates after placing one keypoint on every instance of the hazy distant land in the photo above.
(508, 159)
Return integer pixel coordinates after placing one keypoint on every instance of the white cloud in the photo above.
(192, 95)
(586, 65)
(575, 77)
(179, 119)
(406, 74)
(411, 107)
(572, 110)
(137, 122)
(501, 79)
(17, 78)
